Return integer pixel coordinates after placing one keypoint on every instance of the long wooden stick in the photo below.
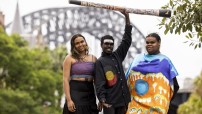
(153, 12)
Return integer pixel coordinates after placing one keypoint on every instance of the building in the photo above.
(186, 88)
(1, 19)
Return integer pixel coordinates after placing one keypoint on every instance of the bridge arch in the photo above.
(57, 25)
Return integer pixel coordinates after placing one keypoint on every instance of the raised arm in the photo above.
(127, 39)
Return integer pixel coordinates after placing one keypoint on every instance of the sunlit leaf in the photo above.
(190, 35)
(196, 45)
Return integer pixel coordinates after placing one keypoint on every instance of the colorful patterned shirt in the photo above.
(150, 81)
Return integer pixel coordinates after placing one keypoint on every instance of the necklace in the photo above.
(82, 57)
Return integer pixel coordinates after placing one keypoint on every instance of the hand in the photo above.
(106, 105)
(100, 106)
(70, 105)
(126, 14)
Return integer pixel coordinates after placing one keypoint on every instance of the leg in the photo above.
(121, 110)
(110, 110)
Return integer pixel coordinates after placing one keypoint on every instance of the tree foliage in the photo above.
(17, 102)
(194, 104)
(186, 18)
(30, 79)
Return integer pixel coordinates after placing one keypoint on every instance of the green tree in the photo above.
(194, 104)
(186, 18)
(17, 102)
(35, 74)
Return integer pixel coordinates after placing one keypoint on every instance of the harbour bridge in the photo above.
(57, 25)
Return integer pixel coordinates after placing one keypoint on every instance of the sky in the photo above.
(186, 59)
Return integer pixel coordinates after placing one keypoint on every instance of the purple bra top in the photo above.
(82, 70)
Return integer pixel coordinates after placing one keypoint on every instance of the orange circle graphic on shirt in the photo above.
(109, 75)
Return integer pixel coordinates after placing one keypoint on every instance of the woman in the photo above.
(78, 74)
(151, 80)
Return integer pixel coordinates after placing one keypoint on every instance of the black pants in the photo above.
(115, 110)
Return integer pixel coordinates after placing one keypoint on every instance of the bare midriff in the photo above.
(83, 79)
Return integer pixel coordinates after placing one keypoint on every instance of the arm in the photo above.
(173, 73)
(99, 107)
(66, 79)
(127, 39)
(100, 81)
(127, 19)
(176, 87)
(94, 58)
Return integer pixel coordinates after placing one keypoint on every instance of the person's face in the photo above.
(107, 46)
(80, 44)
(152, 45)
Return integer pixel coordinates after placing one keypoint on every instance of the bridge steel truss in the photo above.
(57, 25)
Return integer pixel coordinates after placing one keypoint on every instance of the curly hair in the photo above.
(155, 35)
